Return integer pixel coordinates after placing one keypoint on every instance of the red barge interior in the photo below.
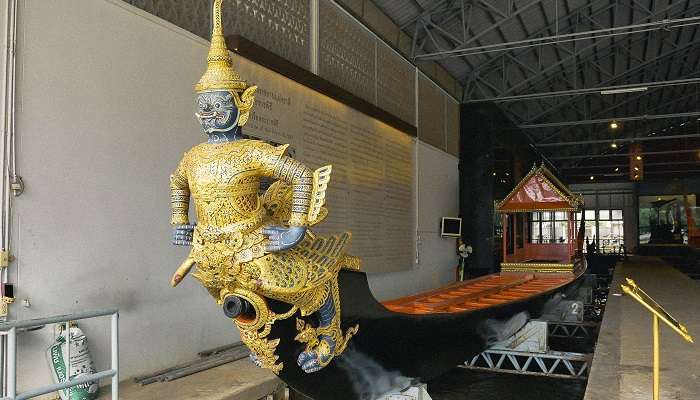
(485, 291)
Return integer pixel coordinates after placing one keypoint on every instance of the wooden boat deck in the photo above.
(480, 293)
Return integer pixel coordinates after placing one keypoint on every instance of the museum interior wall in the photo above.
(91, 229)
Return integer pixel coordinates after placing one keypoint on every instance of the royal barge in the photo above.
(421, 336)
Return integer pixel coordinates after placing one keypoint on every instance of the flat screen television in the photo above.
(451, 227)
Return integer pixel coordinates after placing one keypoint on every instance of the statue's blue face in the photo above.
(216, 111)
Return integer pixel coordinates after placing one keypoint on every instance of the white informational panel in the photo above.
(371, 189)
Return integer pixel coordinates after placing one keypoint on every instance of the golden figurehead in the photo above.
(248, 246)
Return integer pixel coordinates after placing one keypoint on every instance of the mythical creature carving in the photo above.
(250, 247)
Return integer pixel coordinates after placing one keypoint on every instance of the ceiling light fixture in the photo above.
(614, 125)
(625, 90)
(639, 158)
(592, 177)
(613, 145)
(617, 169)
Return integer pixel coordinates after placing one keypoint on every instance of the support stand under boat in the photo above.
(413, 392)
(527, 353)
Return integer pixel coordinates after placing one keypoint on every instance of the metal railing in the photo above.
(10, 329)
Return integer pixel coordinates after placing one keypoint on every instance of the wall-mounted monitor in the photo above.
(451, 227)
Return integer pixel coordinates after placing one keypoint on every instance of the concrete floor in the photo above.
(239, 380)
(622, 365)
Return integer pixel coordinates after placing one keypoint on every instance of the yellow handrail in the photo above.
(657, 312)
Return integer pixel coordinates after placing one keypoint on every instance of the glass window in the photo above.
(590, 215)
(547, 231)
(611, 235)
(535, 232)
(549, 227)
(589, 230)
(561, 229)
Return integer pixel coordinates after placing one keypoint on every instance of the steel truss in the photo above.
(576, 156)
(604, 121)
(573, 22)
(547, 73)
(593, 90)
(552, 364)
(635, 100)
(569, 37)
(639, 128)
(582, 330)
(646, 164)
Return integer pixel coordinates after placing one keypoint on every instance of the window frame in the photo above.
(597, 220)
(539, 218)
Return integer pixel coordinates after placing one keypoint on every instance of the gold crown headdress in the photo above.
(220, 74)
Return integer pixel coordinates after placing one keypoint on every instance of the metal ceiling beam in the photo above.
(573, 157)
(620, 140)
(509, 18)
(677, 171)
(611, 49)
(524, 58)
(626, 73)
(589, 55)
(627, 165)
(575, 92)
(550, 26)
(665, 24)
(436, 7)
(627, 100)
(608, 120)
(653, 125)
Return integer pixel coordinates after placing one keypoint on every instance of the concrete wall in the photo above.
(437, 197)
(104, 112)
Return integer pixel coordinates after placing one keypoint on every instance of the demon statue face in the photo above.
(217, 112)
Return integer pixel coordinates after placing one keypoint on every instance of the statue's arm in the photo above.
(180, 205)
(278, 166)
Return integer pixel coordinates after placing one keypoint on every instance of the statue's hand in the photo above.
(255, 359)
(281, 238)
(182, 235)
(317, 358)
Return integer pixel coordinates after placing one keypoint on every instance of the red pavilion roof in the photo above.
(540, 190)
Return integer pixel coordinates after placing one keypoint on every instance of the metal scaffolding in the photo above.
(552, 364)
